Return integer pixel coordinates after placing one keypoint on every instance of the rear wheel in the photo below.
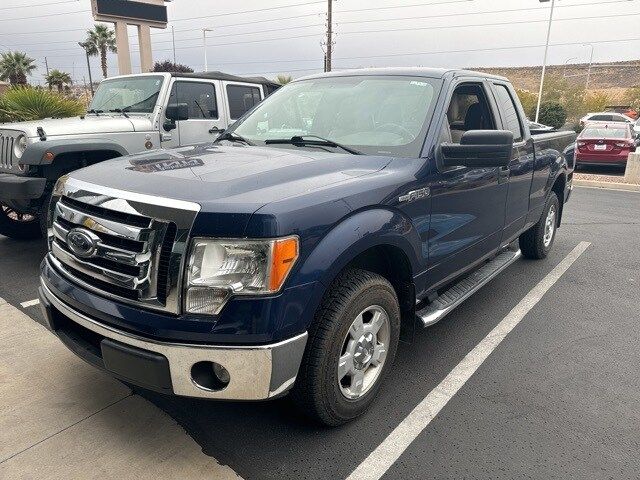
(17, 225)
(536, 242)
(352, 344)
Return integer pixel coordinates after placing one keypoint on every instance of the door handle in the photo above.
(215, 129)
(503, 175)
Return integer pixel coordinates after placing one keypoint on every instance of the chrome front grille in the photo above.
(7, 142)
(120, 244)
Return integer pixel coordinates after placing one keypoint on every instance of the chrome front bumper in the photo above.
(256, 372)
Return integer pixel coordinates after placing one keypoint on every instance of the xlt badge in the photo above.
(415, 195)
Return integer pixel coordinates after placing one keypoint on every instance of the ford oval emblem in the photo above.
(82, 242)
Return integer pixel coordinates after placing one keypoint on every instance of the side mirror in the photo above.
(177, 112)
(479, 149)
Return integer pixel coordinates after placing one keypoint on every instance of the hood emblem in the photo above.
(415, 195)
(82, 242)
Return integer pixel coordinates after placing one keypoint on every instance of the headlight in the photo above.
(20, 146)
(219, 269)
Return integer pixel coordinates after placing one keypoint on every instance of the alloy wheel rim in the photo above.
(364, 352)
(11, 214)
(550, 226)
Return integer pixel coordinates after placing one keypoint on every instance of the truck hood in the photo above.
(230, 179)
(89, 125)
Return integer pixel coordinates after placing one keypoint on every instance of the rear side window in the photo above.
(199, 97)
(601, 118)
(509, 112)
(241, 99)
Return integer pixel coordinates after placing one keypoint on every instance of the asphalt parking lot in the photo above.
(559, 397)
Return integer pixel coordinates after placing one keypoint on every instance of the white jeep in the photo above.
(128, 114)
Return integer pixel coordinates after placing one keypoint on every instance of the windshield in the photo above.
(609, 133)
(373, 114)
(132, 94)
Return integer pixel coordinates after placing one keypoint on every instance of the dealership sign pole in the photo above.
(145, 14)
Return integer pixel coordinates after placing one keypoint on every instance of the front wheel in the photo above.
(19, 226)
(536, 242)
(352, 344)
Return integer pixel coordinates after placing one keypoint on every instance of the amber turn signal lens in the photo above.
(285, 254)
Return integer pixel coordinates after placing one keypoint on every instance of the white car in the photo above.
(606, 117)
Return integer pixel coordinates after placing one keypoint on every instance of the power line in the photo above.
(393, 7)
(446, 15)
(43, 16)
(440, 27)
(14, 7)
(304, 4)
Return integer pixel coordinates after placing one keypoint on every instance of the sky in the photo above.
(287, 36)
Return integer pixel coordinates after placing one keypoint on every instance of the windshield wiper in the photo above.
(311, 140)
(123, 111)
(97, 112)
(233, 137)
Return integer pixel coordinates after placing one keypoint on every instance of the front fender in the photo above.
(356, 234)
(34, 154)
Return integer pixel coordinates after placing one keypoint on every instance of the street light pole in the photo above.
(544, 62)
(204, 43)
(586, 88)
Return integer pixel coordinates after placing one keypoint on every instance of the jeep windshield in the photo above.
(127, 94)
(377, 115)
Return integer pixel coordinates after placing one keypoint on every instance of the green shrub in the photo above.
(553, 114)
(25, 103)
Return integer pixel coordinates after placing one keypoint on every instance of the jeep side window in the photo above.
(200, 97)
(469, 110)
(241, 99)
(508, 109)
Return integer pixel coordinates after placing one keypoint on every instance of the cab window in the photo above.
(468, 110)
(241, 99)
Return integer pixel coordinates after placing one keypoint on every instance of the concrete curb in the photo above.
(628, 187)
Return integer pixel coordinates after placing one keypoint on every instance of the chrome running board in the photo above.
(462, 290)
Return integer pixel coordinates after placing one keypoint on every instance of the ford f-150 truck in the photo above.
(294, 252)
(128, 114)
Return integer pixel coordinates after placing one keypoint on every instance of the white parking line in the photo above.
(30, 303)
(386, 454)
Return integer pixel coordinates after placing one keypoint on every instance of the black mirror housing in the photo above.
(479, 149)
(177, 112)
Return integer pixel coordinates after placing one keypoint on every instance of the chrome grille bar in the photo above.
(137, 243)
(6, 151)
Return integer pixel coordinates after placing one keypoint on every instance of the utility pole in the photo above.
(204, 44)
(327, 65)
(173, 35)
(46, 64)
(544, 63)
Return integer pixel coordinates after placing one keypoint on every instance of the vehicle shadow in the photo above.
(20, 265)
(599, 170)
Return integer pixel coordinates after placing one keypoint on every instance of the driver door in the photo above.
(205, 120)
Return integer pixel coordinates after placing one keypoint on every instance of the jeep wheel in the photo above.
(536, 242)
(19, 226)
(352, 344)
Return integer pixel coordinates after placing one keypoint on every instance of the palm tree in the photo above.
(99, 41)
(283, 79)
(15, 66)
(59, 79)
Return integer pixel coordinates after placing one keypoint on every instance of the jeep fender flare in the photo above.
(35, 153)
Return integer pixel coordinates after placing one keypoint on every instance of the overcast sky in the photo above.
(443, 33)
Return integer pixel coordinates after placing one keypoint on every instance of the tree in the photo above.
(596, 102)
(99, 41)
(15, 66)
(632, 97)
(553, 114)
(283, 79)
(58, 79)
(169, 66)
(529, 102)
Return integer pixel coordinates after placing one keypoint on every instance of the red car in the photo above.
(605, 145)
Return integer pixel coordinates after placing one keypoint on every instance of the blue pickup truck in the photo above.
(295, 252)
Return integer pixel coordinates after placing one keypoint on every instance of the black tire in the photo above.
(532, 242)
(317, 391)
(19, 226)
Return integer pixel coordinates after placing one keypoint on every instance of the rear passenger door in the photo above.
(240, 98)
(520, 170)
(202, 99)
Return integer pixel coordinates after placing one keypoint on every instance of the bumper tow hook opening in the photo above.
(210, 376)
